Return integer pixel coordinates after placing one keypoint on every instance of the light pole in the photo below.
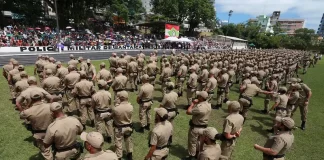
(228, 22)
(58, 28)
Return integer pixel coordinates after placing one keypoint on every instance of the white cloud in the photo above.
(310, 10)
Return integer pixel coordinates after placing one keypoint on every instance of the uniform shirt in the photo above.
(203, 77)
(261, 74)
(281, 142)
(119, 82)
(161, 134)
(104, 74)
(39, 115)
(169, 100)
(71, 79)
(21, 86)
(62, 72)
(122, 63)
(63, 132)
(282, 100)
(273, 86)
(304, 91)
(146, 92)
(231, 74)
(211, 84)
(200, 113)
(16, 77)
(151, 69)
(122, 113)
(293, 98)
(132, 67)
(141, 63)
(215, 71)
(102, 155)
(183, 71)
(113, 62)
(91, 71)
(192, 81)
(52, 84)
(39, 65)
(13, 72)
(73, 62)
(100, 100)
(84, 88)
(233, 123)
(6, 69)
(210, 152)
(222, 81)
(166, 74)
(26, 94)
(51, 66)
(84, 66)
(251, 90)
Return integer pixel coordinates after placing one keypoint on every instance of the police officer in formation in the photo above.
(48, 106)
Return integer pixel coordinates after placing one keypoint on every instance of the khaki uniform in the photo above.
(191, 87)
(11, 81)
(222, 83)
(279, 143)
(100, 103)
(73, 62)
(210, 87)
(61, 73)
(301, 102)
(104, 74)
(169, 103)
(62, 134)
(281, 109)
(245, 99)
(182, 74)
(132, 69)
(70, 81)
(83, 66)
(113, 65)
(119, 84)
(231, 74)
(122, 118)
(159, 138)
(165, 77)
(102, 155)
(39, 65)
(40, 117)
(122, 63)
(203, 78)
(53, 86)
(199, 121)
(25, 96)
(20, 86)
(51, 66)
(146, 100)
(6, 69)
(151, 70)
(83, 91)
(272, 86)
(91, 72)
(210, 152)
(232, 124)
(292, 103)
(141, 65)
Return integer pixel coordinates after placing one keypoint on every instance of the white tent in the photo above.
(171, 39)
(185, 40)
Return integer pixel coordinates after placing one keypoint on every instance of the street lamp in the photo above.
(57, 28)
(228, 22)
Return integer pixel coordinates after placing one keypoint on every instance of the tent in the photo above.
(171, 39)
(185, 40)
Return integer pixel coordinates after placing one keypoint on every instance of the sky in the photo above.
(310, 10)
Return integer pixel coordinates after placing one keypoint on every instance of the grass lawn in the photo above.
(16, 141)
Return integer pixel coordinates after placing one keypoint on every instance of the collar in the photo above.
(38, 103)
(94, 155)
(60, 118)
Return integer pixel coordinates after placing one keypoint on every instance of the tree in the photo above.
(277, 29)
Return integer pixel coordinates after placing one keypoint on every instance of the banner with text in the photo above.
(171, 30)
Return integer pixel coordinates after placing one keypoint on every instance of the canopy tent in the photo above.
(171, 39)
(185, 39)
(251, 45)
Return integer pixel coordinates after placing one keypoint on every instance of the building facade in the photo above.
(320, 30)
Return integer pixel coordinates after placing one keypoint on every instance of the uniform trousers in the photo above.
(86, 111)
(144, 113)
(227, 149)
(120, 135)
(105, 127)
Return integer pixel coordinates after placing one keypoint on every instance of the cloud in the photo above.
(310, 10)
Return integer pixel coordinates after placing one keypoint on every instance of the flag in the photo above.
(171, 30)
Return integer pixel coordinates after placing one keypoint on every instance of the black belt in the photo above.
(74, 146)
(221, 87)
(273, 157)
(210, 92)
(98, 111)
(84, 97)
(39, 71)
(191, 124)
(150, 100)
(123, 126)
(57, 93)
(292, 104)
(118, 90)
(159, 148)
(38, 131)
(172, 110)
(280, 108)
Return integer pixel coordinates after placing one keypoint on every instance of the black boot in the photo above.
(225, 100)
(303, 125)
(141, 130)
(270, 130)
(264, 111)
(129, 156)
(170, 141)
(84, 127)
(147, 127)
(108, 139)
(218, 106)
(136, 88)
(92, 124)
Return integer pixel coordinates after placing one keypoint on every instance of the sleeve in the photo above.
(278, 144)
(208, 84)
(98, 76)
(277, 99)
(46, 94)
(79, 126)
(259, 89)
(94, 70)
(49, 137)
(154, 139)
(164, 100)
(203, 156)
(140, 93)
(306, 88)
(195, 110)
(227, 126)
(24, 114)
